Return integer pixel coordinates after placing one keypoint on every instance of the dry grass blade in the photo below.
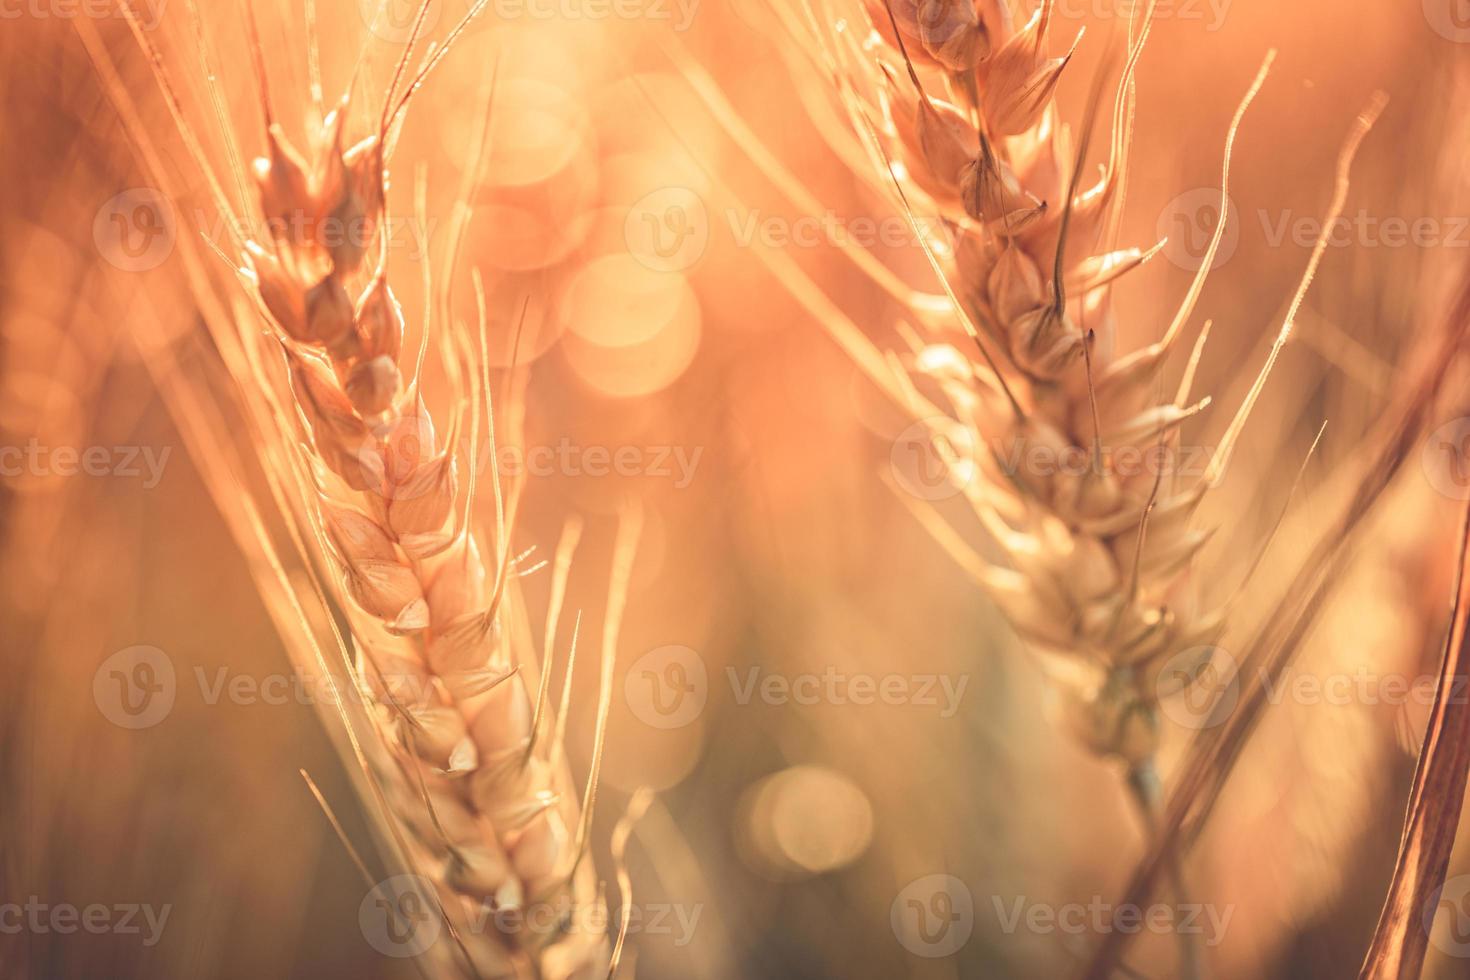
(1397, 950)
(637, 807)
(1364, 123)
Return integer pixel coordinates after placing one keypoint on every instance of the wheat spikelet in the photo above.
(462, 755)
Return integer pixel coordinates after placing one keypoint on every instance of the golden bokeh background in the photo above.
(618, 220)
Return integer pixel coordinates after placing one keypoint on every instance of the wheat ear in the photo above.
(953, 101)
(462, 757)
(492, 816)
(1099, 558)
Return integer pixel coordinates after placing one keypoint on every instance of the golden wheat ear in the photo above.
(353, 500)
(1097, 561)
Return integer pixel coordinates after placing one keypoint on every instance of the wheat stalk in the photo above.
(462, 754)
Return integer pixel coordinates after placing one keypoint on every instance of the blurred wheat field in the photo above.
(858, 767)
